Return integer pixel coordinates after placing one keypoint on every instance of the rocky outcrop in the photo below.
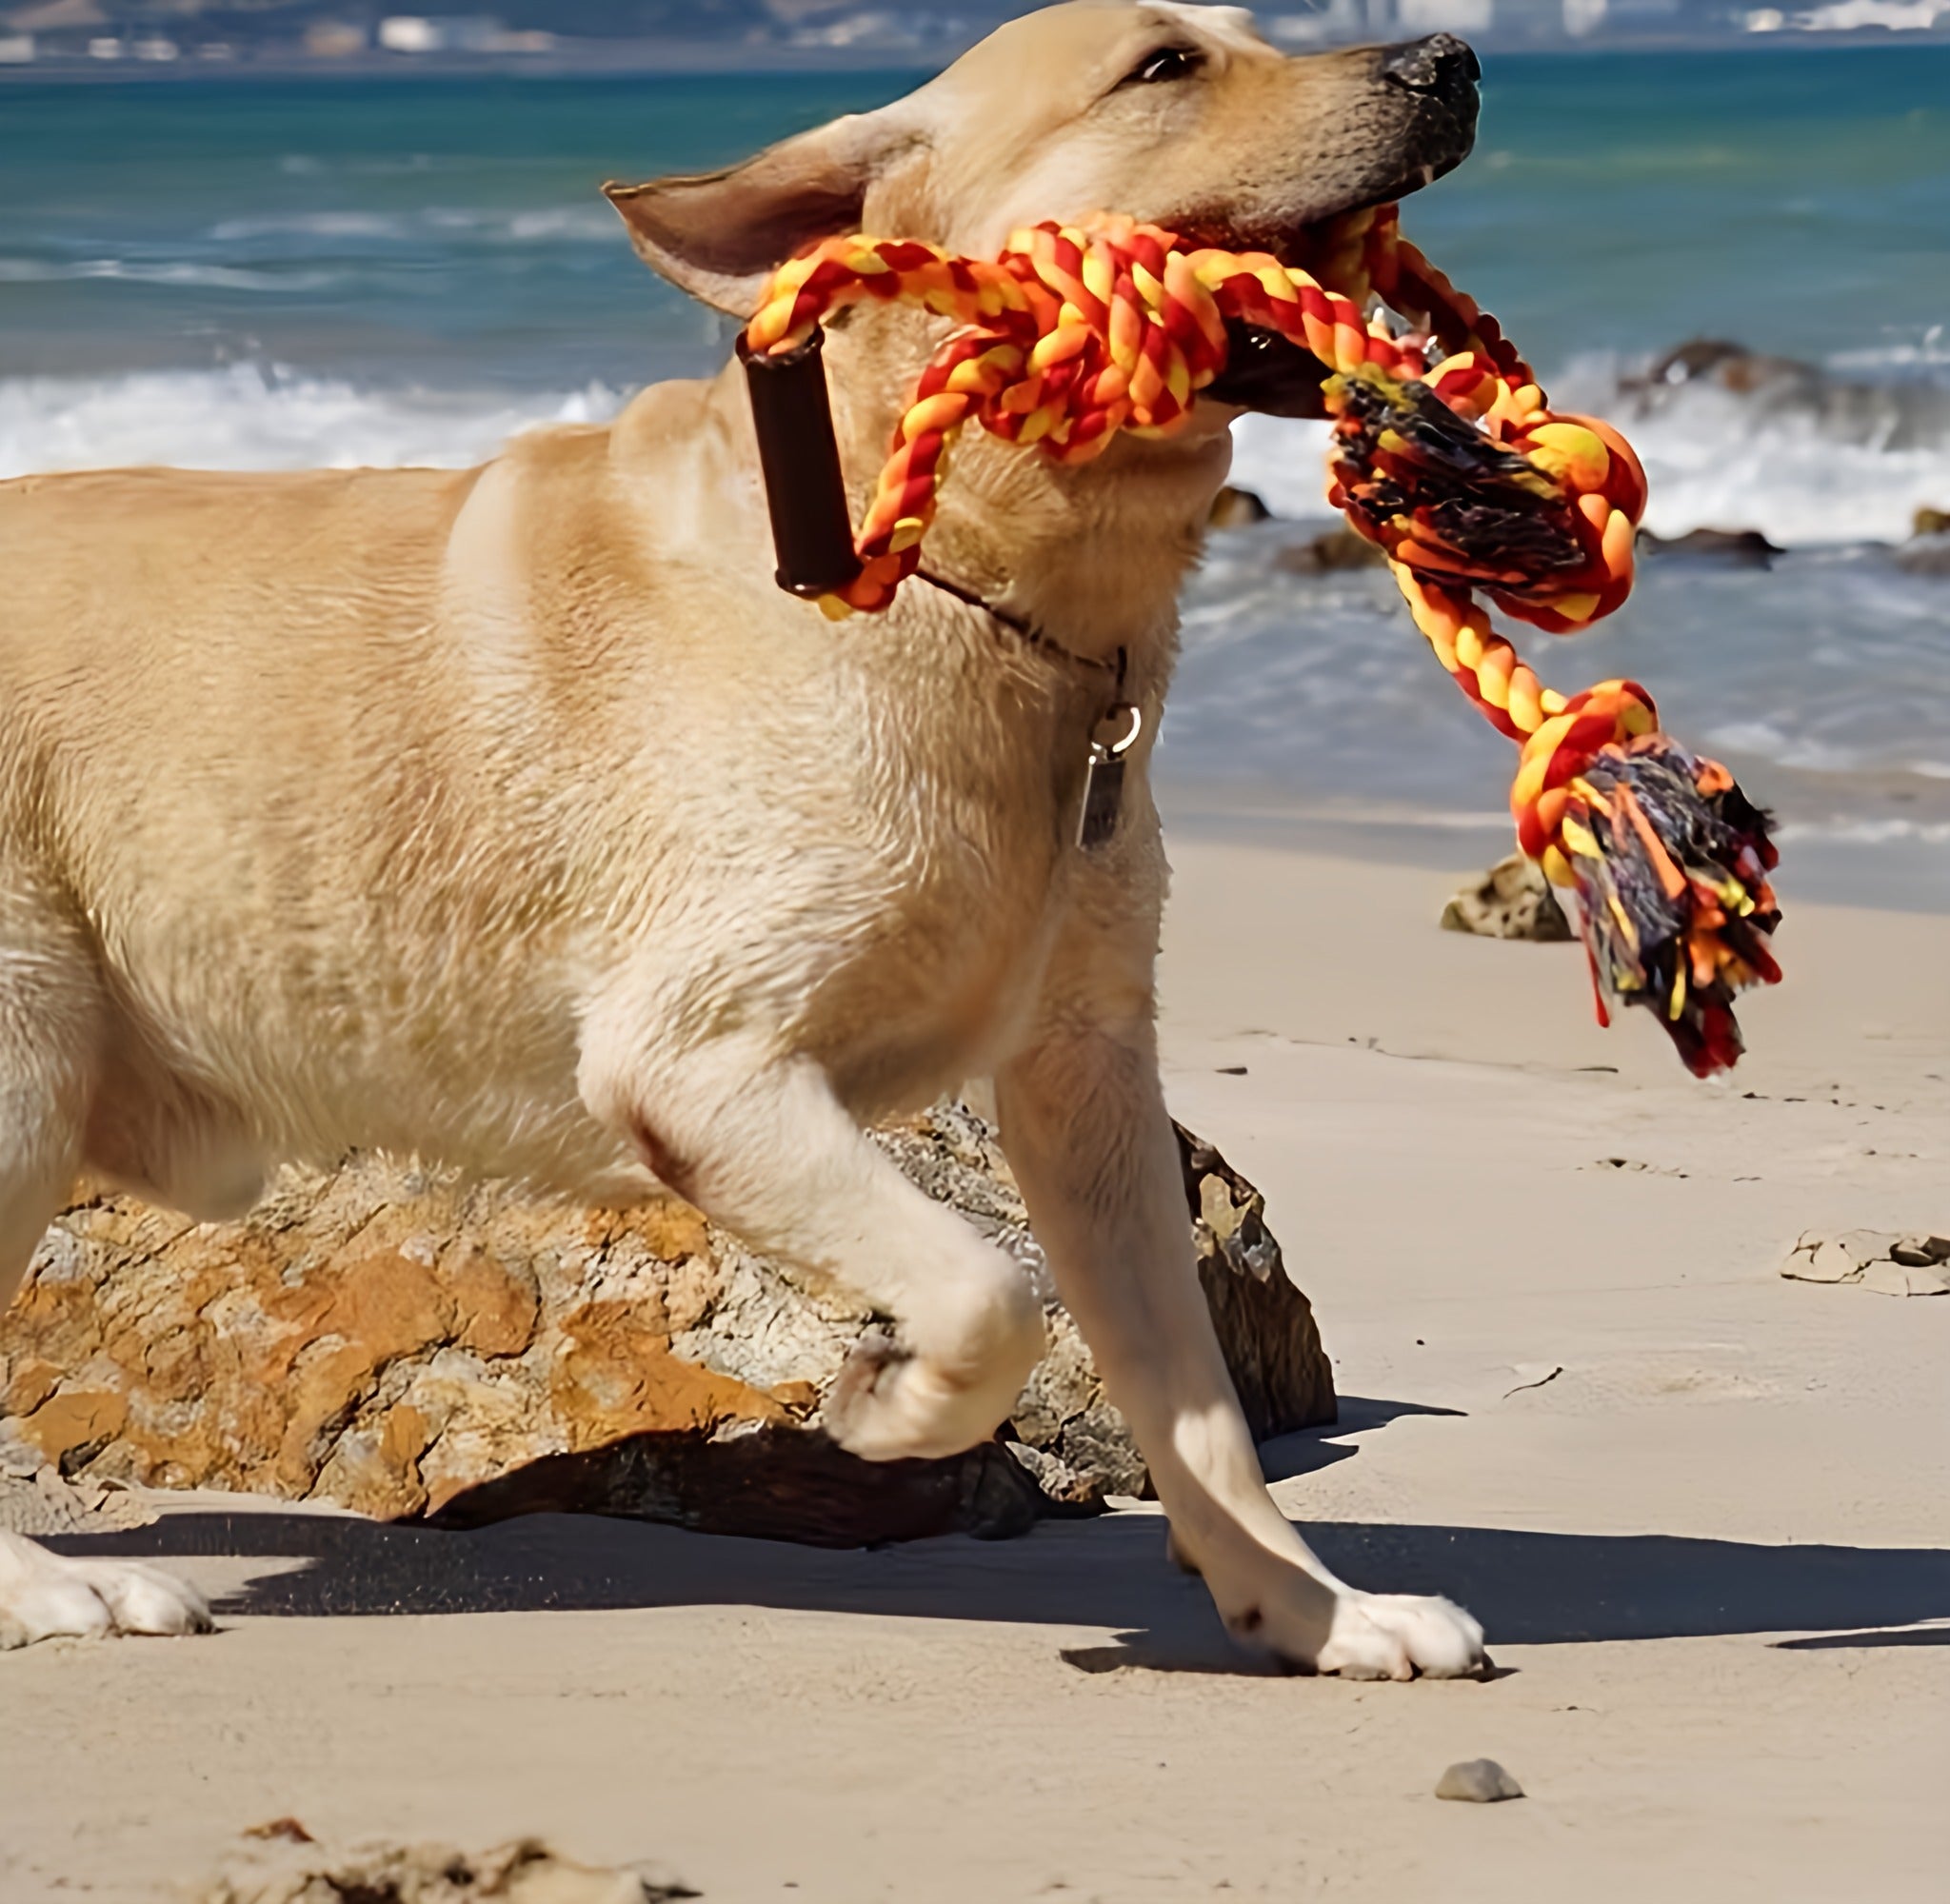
(409, 1344)
(1890, 415)
(34, 1500)
(1236, 508)
(1512, 901)
(1740, 548)
(1328, 553)
(1927, 551)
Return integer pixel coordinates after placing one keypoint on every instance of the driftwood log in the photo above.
(412, 1346)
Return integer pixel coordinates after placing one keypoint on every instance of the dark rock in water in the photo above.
(1512, 901)
(1334, 551)
(1478, 1781)
(1928, 522)
(411, 1345)
(1744, 548)
(1884, 415)
(1925, 555)
(1720, 360)
(1234, 509)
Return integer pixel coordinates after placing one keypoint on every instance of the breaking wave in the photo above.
(1845, 452)
(175, 274)
(253, 416)
(536, 225)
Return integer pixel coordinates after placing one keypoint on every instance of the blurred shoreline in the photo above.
(679, 59)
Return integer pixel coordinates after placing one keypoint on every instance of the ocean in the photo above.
(338, 271)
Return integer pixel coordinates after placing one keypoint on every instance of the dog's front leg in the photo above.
(758, 1142)
(1084, 1126)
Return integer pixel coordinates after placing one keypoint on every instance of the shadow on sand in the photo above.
(1527, 1588)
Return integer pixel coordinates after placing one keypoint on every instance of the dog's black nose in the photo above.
(1442, 66)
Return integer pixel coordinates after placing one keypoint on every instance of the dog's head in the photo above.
(1179, 115)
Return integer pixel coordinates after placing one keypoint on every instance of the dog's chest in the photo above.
(945, 980)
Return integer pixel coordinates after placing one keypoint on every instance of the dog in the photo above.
(514, 817)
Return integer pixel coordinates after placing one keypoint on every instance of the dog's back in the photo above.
(241, 782)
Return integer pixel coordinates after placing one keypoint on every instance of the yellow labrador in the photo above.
(516, 817)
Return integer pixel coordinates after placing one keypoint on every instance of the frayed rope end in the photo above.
(1669, 860)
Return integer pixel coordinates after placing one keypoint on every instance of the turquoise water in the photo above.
(1799, 202)
(333, 270)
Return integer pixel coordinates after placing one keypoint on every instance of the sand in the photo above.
(1700, 1510)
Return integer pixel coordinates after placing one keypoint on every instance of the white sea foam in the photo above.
(536, 225)
(179, 273)
(1285, 463)
(1787, 477)
(1714, 461)
(254, 417)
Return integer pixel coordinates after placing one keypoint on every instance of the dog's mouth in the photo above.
(1263, 371)
(1268, 372)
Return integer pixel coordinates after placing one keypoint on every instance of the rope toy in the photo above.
(1446, 455)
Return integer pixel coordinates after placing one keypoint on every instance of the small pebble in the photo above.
(1481, 1781)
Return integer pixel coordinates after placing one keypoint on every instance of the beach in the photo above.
(1699, 1508)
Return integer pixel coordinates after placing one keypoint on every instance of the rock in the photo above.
(1928, 522)
(1234, 509)
(285, 1866)
(1743, 549)
(1478, 1781)
(1877, 414)
(1884, 1261)
(1925, 554)
(38, 1501)
(1330, 553)
(1512, 901)
(1731, 366)
(414, 1346)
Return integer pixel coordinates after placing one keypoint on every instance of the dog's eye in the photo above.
(1166, 64)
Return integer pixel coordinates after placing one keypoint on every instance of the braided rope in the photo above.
(1072, 336)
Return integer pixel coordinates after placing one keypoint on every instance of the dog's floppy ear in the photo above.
(721, 235)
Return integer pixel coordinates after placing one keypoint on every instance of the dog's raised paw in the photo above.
(889, 1404)
(1401, 1636)
(46, 1595)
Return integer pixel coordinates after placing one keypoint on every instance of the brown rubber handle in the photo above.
(805, 492)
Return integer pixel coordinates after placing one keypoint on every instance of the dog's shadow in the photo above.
(1526, 1588)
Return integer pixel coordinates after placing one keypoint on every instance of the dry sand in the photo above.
(1702, 1511)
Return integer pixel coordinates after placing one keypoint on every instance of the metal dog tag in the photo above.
(1112, 739)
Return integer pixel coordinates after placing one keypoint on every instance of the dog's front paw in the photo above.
(1399, 1637)
(888, 1404)
(45, 1595)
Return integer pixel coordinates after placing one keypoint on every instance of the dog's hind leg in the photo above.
(1084, 1126)
(762, 1145)
(49, 1028)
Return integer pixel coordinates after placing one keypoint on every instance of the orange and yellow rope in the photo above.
(1073, 335)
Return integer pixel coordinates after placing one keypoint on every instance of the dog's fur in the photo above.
(515, 817)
